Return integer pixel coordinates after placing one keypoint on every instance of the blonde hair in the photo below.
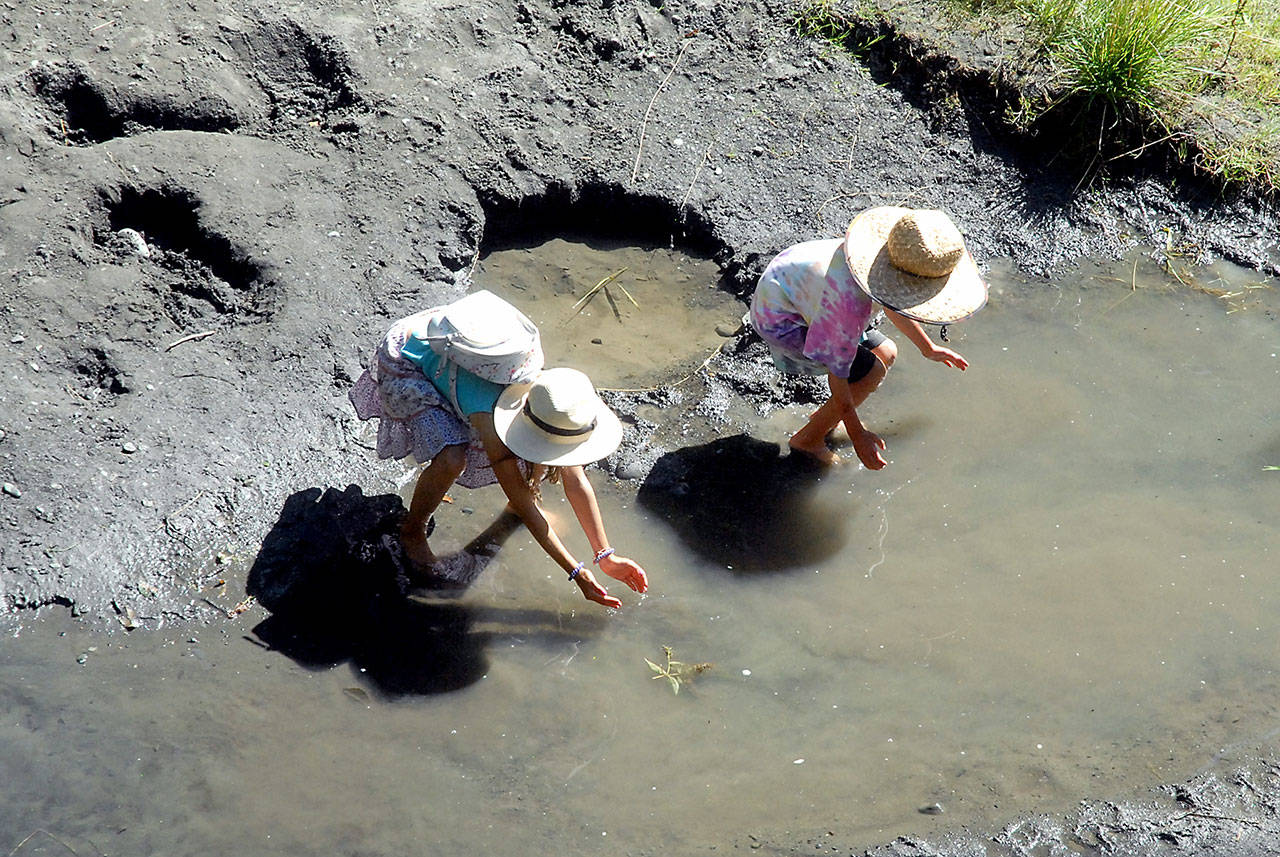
(536, 474)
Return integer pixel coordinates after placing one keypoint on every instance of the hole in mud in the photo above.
(303, 74)
(618, 287)
(101, 378)
(93, 111)
(164, 226)
(597, 212)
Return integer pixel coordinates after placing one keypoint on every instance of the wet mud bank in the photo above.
(209, 213)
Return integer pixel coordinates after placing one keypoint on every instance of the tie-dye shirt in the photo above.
(810, 309)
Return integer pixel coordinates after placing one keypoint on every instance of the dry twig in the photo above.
(644, 123)
(191, 338)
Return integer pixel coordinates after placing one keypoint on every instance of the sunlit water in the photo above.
(1062, 587)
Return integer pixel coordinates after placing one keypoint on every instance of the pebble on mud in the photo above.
(136, 242)
(12, 490)
(629, 471)
(128, 448)
(931, 809)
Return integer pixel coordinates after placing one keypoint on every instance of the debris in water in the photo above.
(676, 672)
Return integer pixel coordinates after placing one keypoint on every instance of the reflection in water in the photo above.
(739, 502)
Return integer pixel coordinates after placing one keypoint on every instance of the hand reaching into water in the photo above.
(868, 445)
(629, 572)
(593, 591)
(949, 357)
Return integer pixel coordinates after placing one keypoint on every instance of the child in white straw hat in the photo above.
(476, 432)
(815, 300)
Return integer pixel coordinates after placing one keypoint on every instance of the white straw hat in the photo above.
(914, 261)
(558, 420)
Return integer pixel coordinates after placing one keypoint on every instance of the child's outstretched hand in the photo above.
(947, 356)
(867, 444)
(621, 568)
(593, 591)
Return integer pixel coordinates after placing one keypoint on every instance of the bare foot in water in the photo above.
(818, 451)
(416, 550)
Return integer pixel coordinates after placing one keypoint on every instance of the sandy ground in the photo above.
(210, 210)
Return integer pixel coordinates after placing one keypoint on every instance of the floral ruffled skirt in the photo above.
(413, 418)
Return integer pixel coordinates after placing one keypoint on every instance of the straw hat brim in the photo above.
(533, 444)
(932, 300)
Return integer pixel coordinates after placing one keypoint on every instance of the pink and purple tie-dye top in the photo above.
(809, 303)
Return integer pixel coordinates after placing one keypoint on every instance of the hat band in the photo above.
(556, 430)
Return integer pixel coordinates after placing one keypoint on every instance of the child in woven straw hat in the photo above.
(815, 300)
(476, 432)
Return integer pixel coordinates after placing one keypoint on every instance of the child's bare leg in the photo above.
(812, 438)
(887, 351)
(434, 481)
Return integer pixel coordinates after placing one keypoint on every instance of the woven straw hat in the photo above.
(914, 261)
(558, 420)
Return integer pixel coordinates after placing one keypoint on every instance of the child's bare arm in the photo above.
(507, 468)
(582, 497)
(866, 443)
(913, 331)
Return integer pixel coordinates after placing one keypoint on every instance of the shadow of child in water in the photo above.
(741, 503)
(337, 594)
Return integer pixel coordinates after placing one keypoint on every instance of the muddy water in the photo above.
(1062, 587)
(653, 317)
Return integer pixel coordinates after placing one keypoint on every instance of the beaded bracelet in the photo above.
(577, 569)
(601, 554)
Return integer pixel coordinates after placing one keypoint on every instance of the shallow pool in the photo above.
(1062, 587)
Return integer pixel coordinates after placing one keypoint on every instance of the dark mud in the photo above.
(208, 215)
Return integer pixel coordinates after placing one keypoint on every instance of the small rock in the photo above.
(137, 243)
(931, 809)
(18, 339)
(12, 490)
(629, 470)
(467, 510)
(757, 150)
(35, 367)
(83, 659)
(128, 448)
(728, 330)
(597, 341)
(677, 142)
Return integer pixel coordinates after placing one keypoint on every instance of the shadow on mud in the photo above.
(327, 574)
(744, 504)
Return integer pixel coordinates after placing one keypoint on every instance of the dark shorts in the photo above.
(865, 359)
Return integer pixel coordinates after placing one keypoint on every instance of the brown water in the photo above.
(1062, 587)
(653, 318)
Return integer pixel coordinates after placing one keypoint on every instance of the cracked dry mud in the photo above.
(208, 213)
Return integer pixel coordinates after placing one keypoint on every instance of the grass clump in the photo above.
(1129, 53)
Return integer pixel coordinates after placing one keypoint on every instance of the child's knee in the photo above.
(887, 351)
(452, 459)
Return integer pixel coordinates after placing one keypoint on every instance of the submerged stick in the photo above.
(582, 301)
(628, 294)
(32, 835)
